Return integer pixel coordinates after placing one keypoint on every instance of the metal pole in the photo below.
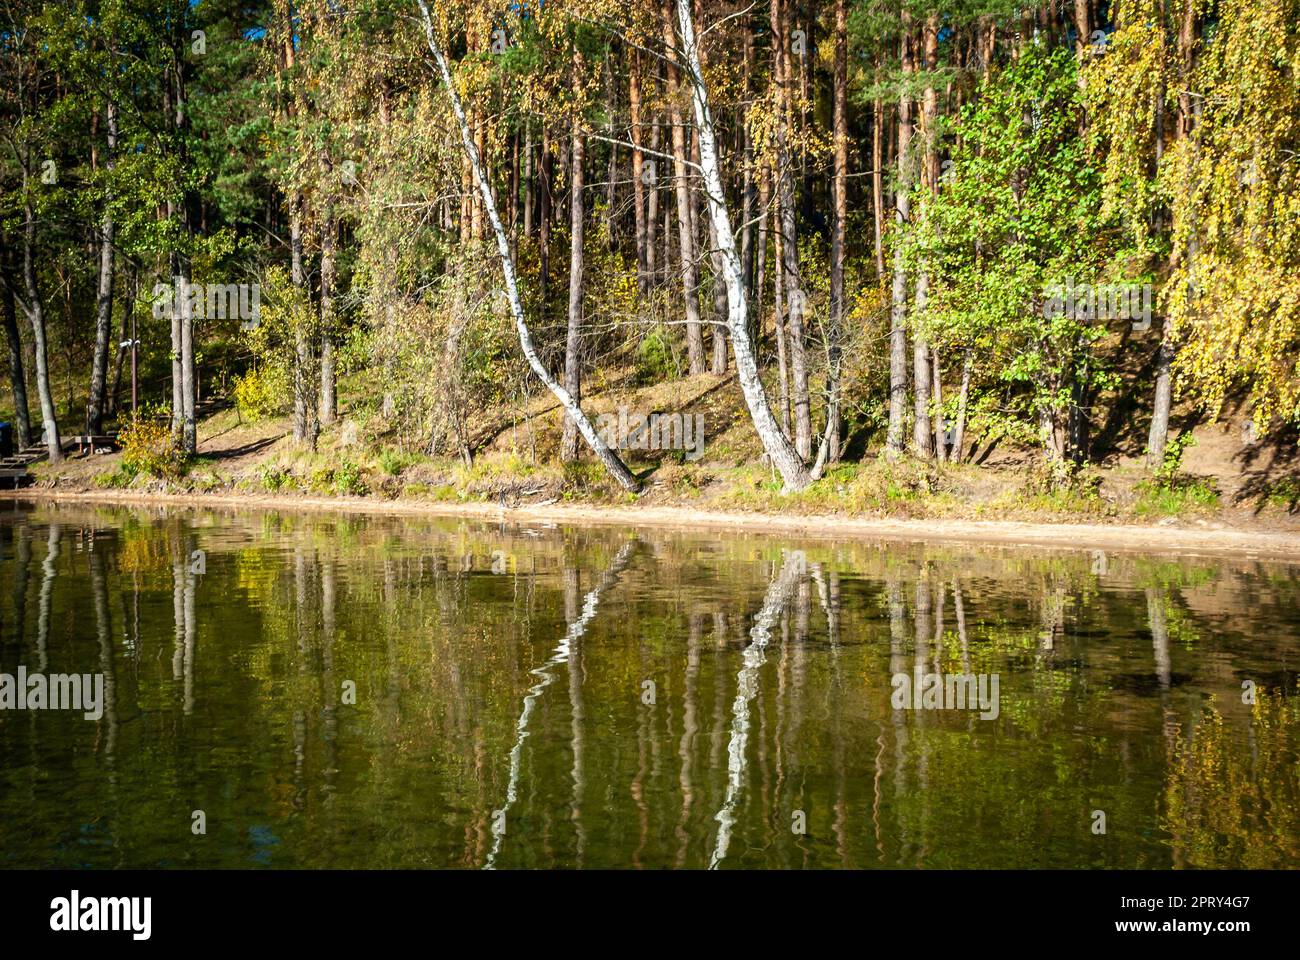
(135, 397)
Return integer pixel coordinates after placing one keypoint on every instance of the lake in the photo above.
(285, 689)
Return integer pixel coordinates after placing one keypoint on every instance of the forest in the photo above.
(891, 231)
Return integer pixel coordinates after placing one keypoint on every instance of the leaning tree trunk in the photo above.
(778, 448)
(959, 429)
(617, 469)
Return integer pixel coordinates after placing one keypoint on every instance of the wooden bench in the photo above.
(93, 440)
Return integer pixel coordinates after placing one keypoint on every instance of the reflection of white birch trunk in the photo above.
(48, 573)
(617, 469)
(778, 594)
(559, 656)
(775, 443)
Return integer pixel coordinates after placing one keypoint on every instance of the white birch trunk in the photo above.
(778, 448)
(617, 469)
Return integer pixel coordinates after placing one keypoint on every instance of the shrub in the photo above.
(275, 478)
(655, 361)
(1175, 497)
(148, 447)
(348, 479)
(259, 394)
(393, 462)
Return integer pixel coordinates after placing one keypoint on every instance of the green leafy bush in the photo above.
(275, 479)
(349, 480)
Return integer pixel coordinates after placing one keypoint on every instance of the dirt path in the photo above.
(1180, 540)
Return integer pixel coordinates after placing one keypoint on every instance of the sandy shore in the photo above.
(1176, 539)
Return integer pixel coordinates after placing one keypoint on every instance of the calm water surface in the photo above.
(543, 696)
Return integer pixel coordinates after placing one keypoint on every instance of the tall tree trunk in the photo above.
(783, 456)
(963, 397)
(652, 211)
(920, 372)
(34, 307)
(17, 377)
(104, 295)
(617, 469)
(306, 427)
(940, 427)
(838, 228)
(921, 376)
(1162, 405)
(685, 220)
(760, 255)
(748, 191)
(898, 293)
(778, 331)
(183, 328)
(638, 174)
(877, 184)
(529, 192)
(328, 292)
(573, 342)
(719, 326)
(794, 295)
(544, 220)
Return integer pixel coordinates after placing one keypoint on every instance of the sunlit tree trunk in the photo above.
(784, 174)
(616, 468)
(573, 341)
(638, 174)
(35, 309)
(104, 294)
(783, 456)
(838, 229)
(898, 290)
(685, 219)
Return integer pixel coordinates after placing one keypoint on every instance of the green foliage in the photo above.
(1173, 459)
(1019, 211)
(393, 462)
(275, 478)
(349, 479)
(656, 360)
(1175, 497)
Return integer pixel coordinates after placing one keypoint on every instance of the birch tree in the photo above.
(775, 443)
(616, 468)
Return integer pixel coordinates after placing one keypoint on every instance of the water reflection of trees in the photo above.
(772, 683)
